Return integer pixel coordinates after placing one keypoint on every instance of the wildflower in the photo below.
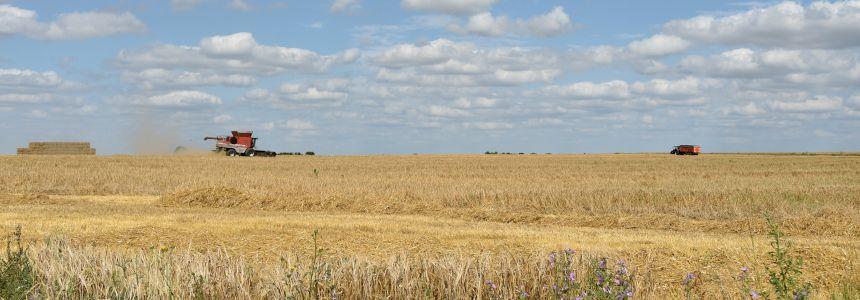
(601, 264)
(600, 279)
(688, 279)
(572, 276)
(754, 295)
(552, 259)
(744, 273)
(491, 284)
(622, 267)
(569, 251)
(524, 294)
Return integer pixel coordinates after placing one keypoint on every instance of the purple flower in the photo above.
(754, 295)
(601, 264)
(689, 278)
(745, 269)
(523, 294)
(622, 267)
(491, 284)
(600, 279)
(552, 259)
(569, 251)
(572, 276)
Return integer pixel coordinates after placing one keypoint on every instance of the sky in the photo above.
(432, 76)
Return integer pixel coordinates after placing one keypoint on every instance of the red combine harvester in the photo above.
(686, 150)
(240, 143)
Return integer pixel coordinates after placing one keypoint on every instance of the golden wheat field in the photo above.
(428, 226)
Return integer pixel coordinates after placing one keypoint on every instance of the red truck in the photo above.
(686, 150)
(239, 143)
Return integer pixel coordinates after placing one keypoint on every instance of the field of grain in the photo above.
(428, 225)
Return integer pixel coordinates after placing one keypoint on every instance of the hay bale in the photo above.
(58, 148)
(207, 197)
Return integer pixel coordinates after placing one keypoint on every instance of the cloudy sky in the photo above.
(432, 76)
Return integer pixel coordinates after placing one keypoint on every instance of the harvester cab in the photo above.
(238, 143)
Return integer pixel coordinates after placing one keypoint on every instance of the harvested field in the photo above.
(665, 215)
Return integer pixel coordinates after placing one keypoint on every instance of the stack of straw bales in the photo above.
(58, 148)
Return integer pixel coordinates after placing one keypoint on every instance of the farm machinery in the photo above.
(238, 143)
(686, 150)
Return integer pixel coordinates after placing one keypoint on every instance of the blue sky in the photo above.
(443, 76)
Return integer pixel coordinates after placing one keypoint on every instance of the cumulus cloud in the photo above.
(816, 104)
(787, 24)
(297, 124)
(162, 78)
(658, 45)
(68, 26)
(615, 89)
(179, 99)
(236, 53)
(797, 67)
(689, 86)
(459, 7)
(24, 86)
(444, 62)
(330, 93)
(553, 23)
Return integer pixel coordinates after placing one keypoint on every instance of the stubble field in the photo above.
(428, 226)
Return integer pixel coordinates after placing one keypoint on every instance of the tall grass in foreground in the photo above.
(57, 269)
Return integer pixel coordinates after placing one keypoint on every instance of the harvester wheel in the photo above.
(231, 152)
(251, 153)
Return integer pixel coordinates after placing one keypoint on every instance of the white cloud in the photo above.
(553, 23)
(817, 104)
(689, 86)
(488, 125)
(161, 78)
(296, 124)
(68, 26)
(658, 45)
(787, 24)
(240, 5)
(25, 98)
(235, 53)
(220, 119)
(751, 109)
(344, 5)
(459, 7)
(615, 89)
(444, 62)
(854, 102)
(329, 93)
(179, 99)
(19, 78)
(791, 67)
(300, 92)
(445, 111)
(479, 102)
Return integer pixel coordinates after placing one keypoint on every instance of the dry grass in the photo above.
(667, 215)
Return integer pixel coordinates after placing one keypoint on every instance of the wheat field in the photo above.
(425, 226)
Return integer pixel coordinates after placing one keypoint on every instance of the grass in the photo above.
(666, 216)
